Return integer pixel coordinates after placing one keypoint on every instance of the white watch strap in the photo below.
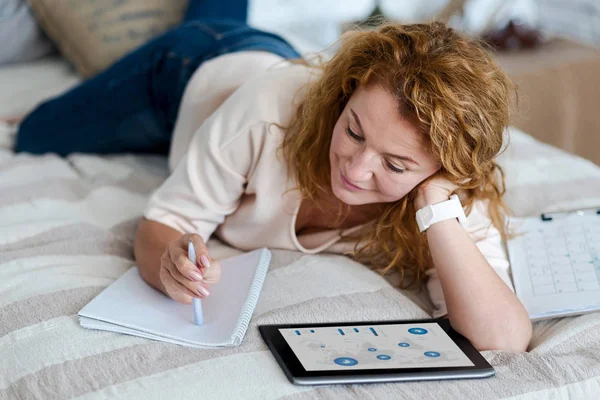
(433, 213)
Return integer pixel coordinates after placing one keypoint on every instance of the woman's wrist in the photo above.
(430, 197)
(434, 189)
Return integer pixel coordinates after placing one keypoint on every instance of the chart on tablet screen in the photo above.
(374, 347)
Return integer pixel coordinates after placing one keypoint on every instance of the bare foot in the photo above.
(12, 120)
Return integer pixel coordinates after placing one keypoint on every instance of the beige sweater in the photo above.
(229, 178)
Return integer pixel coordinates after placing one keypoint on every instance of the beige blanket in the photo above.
(66, 232)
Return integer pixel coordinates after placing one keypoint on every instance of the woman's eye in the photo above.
(395, 169)
(353, 135)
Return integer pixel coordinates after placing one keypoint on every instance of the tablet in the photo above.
(373, 352)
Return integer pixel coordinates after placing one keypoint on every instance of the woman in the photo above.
(359, 156)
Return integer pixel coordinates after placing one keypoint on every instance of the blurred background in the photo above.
(548, 47)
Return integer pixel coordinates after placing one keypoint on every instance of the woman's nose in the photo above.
(359, 168)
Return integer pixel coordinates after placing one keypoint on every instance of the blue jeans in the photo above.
(132, 106)
(236, 10)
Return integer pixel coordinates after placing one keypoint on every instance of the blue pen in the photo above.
(198, 317)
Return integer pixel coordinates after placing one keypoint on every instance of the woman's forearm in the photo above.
(480, 305)
(151, 240)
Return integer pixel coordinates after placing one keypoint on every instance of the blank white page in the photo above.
(130, 305)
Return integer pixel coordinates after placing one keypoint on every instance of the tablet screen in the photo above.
(422, 345)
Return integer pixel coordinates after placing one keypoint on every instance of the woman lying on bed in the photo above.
(359, 156)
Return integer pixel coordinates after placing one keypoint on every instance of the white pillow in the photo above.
(21, 38)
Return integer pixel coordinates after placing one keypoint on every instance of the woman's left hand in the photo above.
(434, 189)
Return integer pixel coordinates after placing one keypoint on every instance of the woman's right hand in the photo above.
(181, 278)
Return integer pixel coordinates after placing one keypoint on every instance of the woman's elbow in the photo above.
(514, 340)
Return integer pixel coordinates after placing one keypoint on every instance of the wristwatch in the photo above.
(433, 213)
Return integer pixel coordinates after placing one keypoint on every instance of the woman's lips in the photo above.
(348, 185)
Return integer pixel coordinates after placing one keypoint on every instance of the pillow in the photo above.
(92, 35)
(573, 19)
(21, 38)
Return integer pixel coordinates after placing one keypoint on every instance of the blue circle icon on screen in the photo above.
(372, 349)
(403, 344)
(432, 354)
(383, 357)
(345, 361)
(417, 331)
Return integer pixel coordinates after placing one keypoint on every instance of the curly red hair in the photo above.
(451, 84)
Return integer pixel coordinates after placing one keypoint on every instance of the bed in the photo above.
(66, 232)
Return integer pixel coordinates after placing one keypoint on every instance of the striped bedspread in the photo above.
(66, 232)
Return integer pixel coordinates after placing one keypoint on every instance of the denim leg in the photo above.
(133, 105)
(235, 10)
(130, 107)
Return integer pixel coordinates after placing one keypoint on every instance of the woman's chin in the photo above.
(346, 197)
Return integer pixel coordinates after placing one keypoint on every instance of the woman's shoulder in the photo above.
(285, 76)
(247, 126)
(276, 92)
(269, 98)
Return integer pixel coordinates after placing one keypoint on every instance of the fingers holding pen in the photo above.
(209, 268)
(212, 275)
(174, 289)
(196, 286)
(184, 266)
(202, 257)
(180, 277)
(183, 271)
(185, 278)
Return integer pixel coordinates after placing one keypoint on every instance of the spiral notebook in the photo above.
(555, 263)
(130, 306)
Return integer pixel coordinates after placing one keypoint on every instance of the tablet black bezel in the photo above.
(288, 360)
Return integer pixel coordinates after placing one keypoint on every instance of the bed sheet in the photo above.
(66, 232)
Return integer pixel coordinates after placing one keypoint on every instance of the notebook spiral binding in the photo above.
(252, 298)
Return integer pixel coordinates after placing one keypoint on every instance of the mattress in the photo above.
(66, 232)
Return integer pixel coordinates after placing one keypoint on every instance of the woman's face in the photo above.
(376, 155)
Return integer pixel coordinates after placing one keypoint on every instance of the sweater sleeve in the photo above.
(487, 238)
(208, 183)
